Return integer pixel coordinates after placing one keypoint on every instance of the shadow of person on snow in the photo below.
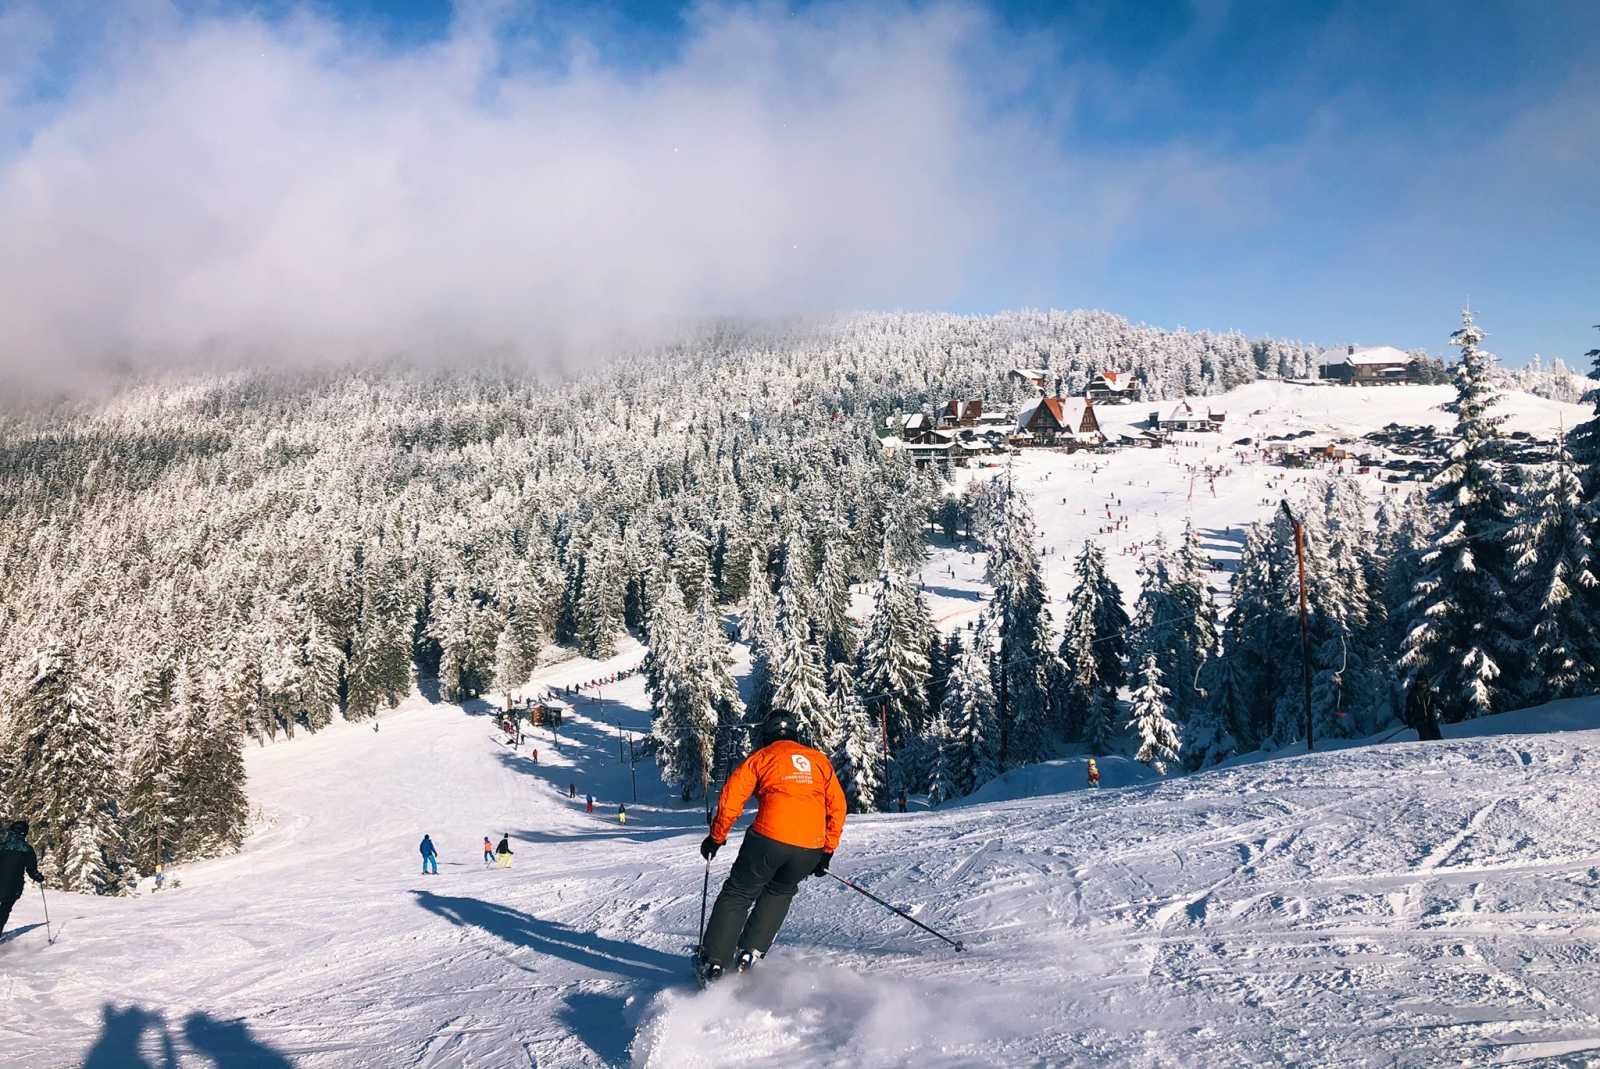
(588, 949)
(224, 1042)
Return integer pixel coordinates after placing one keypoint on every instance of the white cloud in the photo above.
(269, 189)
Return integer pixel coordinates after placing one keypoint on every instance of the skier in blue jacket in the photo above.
(430, 857)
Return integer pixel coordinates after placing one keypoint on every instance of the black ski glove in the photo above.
(709, 848)
(822, 866)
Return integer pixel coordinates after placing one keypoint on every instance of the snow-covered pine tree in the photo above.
(714, 666)
(1158, 736)
(858, 748)
(941, 759)
(798, 685)
(1461, 646)
(62, 772)
(210, 776)
(972, 751)
(1024, 665)
(1175, 620)
(758, 628)
(832, 607)
(892, 666)
(1092, 649)
(1553, 553)
(510, 669)
(151, 803)
(693, 694)
(599, 609)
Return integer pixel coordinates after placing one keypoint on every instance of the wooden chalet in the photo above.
(961, 413)
(1112, 388)
(1369, 367)
(1186, 418)
(1058, 421)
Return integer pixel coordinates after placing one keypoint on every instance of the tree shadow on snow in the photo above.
(588, 949)
(122, 1043)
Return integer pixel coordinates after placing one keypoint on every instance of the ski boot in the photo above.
(747, 959)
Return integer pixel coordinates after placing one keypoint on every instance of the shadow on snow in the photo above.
(123, 1042)
(587, 949)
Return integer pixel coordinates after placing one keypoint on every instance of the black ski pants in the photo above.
(8, 898)
(766, 873)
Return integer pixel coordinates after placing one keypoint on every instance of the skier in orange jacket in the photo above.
(796, 831)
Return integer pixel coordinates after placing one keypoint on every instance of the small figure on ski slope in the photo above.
(488, 852)
(430, 857)
(900, 802)
(588, 803)
(502, 853)
(572, 790)
(796, 831)
(16, 858)
(622, 814)
(1094, 773)
(536, 755)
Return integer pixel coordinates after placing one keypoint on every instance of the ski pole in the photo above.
(958, 944)
(48, 937)
(705, 889)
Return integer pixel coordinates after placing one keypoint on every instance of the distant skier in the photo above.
(588, 803)
(622, 814)
(1094, 773)
(796, 831)
(572, 790)
(16, 858)
(488, 852)
(502, 852)
(430, 857)
(900, 802)
(536, 755)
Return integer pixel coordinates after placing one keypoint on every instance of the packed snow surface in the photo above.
(1412, 904)
(1397, 904)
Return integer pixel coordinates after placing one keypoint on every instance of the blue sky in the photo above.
(1331, 171)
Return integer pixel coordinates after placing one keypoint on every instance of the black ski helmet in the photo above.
(779, 726)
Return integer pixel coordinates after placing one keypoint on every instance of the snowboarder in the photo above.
(588, 803)
(795, 834)
(1094, 773)
(430, 857)
(16, 858)
(488, 852)
(503, 852)
(622, 814)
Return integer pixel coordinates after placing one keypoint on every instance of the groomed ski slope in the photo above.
(1401, 904)
(1398, 904)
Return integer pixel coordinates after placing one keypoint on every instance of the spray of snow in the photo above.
(785, 1014)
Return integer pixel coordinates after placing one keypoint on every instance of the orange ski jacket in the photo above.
(801, 802)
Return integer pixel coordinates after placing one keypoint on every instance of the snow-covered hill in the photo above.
(1399, 904)
(1128, 498)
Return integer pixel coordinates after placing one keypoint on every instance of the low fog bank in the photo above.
(233, 191)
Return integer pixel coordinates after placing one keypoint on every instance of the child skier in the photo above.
(430, 857)
(796, 831)
(488, 852)
(1094, 773)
